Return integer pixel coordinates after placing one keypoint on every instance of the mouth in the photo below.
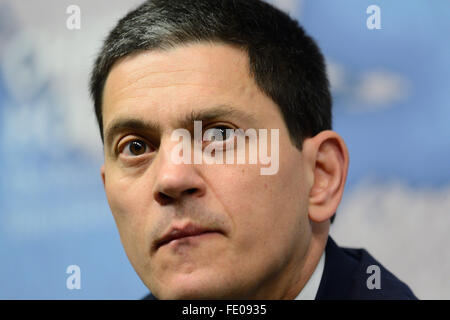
(188, 232)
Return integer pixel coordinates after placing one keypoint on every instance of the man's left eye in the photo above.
(222, 131)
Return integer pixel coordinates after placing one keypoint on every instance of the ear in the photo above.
(102, 173)
(328, 159)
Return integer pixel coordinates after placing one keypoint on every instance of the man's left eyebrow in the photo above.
(216, 113)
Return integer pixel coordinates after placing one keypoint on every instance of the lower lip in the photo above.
(191, 240)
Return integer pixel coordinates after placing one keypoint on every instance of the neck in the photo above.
(303, 271)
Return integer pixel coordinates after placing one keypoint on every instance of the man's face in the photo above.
(258, 224)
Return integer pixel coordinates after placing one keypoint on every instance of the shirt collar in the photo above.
(311, 287)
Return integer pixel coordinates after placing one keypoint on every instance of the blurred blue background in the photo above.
(391, 89)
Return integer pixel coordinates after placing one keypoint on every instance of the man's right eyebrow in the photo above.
(121, 125)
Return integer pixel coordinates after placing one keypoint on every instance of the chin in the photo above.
(190, 287)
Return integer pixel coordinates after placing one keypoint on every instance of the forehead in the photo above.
(166, 84)
(215, 64)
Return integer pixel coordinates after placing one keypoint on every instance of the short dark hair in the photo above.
(285, 62)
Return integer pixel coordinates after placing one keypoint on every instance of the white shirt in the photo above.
(311, 287)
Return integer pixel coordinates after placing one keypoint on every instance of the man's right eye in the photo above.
(135, 148)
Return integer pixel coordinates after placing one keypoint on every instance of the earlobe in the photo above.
(330, 166)
(102, 174)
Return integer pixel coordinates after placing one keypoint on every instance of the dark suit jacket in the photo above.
(345, 277)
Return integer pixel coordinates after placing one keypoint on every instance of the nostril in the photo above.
(191, 191)
(163, 199)
(166, 198)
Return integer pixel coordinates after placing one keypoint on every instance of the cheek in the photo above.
(127, 205)
(268, 212)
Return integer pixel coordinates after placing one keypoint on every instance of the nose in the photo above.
(174, 182)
